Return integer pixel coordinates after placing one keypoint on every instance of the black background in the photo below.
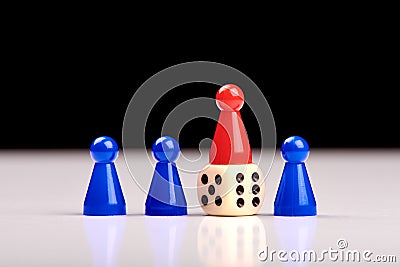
(336, 88)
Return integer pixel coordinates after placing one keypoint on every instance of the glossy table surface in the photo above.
(41, 221)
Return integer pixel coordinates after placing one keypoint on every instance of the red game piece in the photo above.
(231, 185)
(231, 144)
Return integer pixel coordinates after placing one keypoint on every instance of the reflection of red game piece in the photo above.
(231, 144)
(231, 185)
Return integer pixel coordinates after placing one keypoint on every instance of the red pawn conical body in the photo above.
(230, 143)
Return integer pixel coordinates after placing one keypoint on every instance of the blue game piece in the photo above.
(295, 196)
(166, 197)
(104, 195)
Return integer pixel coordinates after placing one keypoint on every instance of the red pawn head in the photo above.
(230, 142)
(230, 98)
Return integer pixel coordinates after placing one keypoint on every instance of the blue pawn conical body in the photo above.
(295, 196)
(104, 195)
(166, 196)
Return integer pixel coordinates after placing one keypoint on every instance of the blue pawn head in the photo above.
(295, 149)
(166, 149)
(104, 149)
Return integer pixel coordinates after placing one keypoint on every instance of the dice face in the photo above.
(231, 190)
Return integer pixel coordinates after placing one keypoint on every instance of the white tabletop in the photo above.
(41, 221)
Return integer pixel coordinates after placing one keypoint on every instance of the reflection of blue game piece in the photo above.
(295, 196)
(104, 195)
(166, 235)
(166, 197)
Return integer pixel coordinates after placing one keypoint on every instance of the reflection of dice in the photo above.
(231, 190)
(230, 241)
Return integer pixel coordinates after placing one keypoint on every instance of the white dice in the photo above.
(231, 190)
